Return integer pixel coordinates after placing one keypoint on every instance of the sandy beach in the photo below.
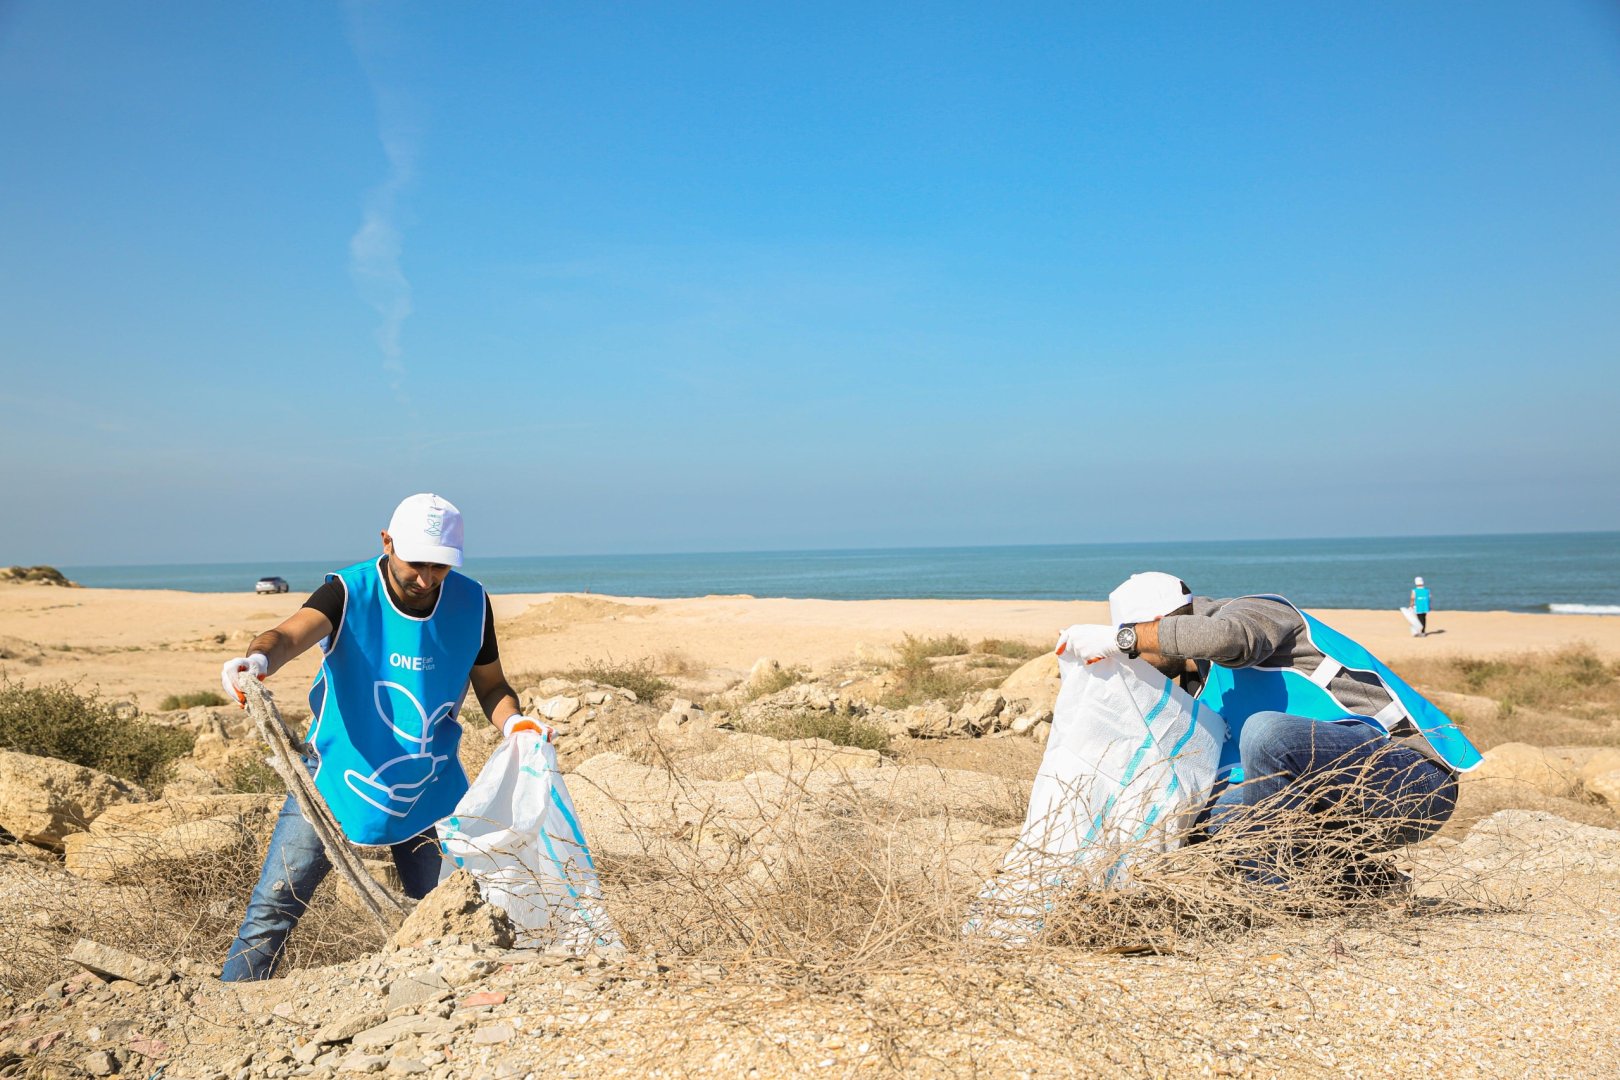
(141, 645)
(793, 905)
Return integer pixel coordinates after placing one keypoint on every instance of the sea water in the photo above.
(1576, 573)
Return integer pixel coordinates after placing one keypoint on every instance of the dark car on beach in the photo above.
(270, 585)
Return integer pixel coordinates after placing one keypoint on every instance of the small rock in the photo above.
(483, 998)
(1519, 765)
(149, 1047)
(455, 909)
(1606, 786)
(348, 1025)
(413, 990)
(977, 714)
(558, 708)
(389, 1032)
(1606, 760)
(494, 1033)
(362, 1063)
(117, 964)
(99, 1063)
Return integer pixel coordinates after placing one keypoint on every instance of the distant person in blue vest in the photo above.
(404, 636)
(1316, 724)
(1420, 605)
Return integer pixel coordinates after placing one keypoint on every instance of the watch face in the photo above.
(1126, 638)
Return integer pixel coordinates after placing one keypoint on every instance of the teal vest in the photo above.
(386, 704)
(1420, 600)
(1239, 693)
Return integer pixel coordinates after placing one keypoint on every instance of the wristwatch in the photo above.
(1126, 640)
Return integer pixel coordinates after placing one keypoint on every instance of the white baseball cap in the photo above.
(1417, 581)
(427, 528)
(1145, 597)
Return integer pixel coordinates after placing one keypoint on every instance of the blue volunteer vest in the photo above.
(1420, 600)
(1239, 693)
(386, 704)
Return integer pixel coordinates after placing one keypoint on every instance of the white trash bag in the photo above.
(516, 832)
(1129, 765)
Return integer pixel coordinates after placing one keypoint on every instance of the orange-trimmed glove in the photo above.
(258, 664)
(1088, 642)
(518, 722)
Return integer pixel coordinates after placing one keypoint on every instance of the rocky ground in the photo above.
(790, 906)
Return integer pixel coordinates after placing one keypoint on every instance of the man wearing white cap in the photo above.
(1316, 723)
(404, 636)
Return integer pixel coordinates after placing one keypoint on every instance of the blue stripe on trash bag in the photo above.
(573, 827)
(562, 873)
(1130, 770)
(1175, 784)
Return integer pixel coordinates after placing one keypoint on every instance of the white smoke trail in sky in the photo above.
(376, 247)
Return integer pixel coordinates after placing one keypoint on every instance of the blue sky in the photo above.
(747, 276)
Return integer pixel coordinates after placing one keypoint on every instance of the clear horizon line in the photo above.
(906, 547)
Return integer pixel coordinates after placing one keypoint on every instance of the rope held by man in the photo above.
(287, 758)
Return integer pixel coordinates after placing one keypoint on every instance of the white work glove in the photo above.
(258, 664)
(1089, 641)
(518, 722)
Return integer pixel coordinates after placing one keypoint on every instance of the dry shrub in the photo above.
(1573, 694)
(191, 701)
(639, 676)
(842, 879)
(250, 775)
(1011, 650)
(913, 651)
(674, 662)
(841, 729)
(164, 909)
(775, 681)
(807, 881)
(839, 881)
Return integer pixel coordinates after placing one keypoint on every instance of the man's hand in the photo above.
(518, 722)
(1088, 642)
(258, 664)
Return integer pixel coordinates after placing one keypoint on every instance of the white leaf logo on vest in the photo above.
(396, 784)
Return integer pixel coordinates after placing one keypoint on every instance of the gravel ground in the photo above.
(1487, 975)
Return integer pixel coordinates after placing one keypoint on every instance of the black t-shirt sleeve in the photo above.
(329, 600)
(489, 652)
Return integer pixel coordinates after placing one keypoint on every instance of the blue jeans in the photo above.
(295, 864)
(1356, 785)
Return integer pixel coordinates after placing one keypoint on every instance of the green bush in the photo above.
(836, 728)
(251, 776)
(775, 682)
(915, 650)
(55, 720)
(925, 682)
(637, 676)
(919, 679)
(191, 701)
(1012, 650)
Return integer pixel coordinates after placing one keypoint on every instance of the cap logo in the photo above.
(435, 524)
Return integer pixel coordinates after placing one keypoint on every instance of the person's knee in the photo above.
(1270, 740)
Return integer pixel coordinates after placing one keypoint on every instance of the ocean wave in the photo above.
(1584, 609)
